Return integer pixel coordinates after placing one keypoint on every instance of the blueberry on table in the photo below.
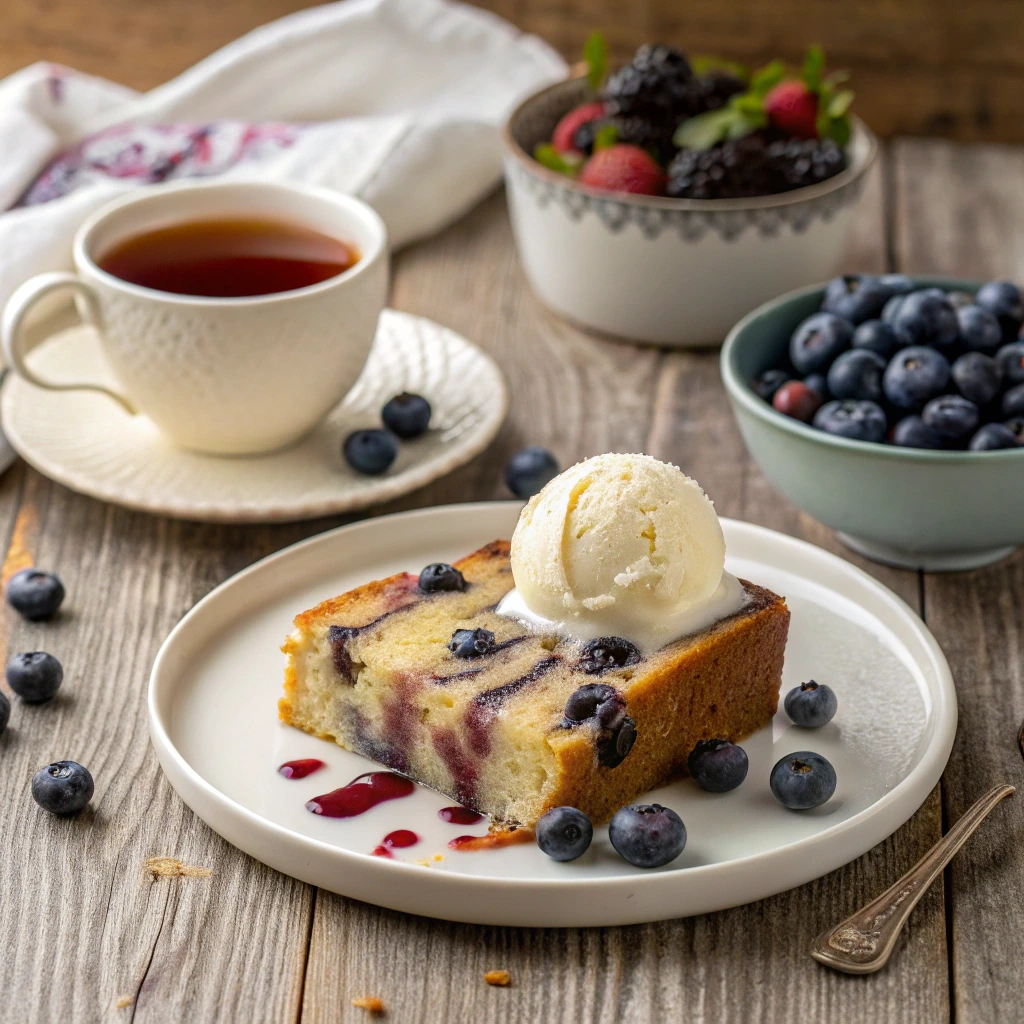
(859, 421)
(811, 704)
(5, 712)
(926, 317)
(876, 336)
(35, 594)
(406, 415)
(857, 374)
(796, 400)
(914, 376)
(766, 384)
(647, 835)
(802, 780)
(1013, 401)
(951, 417)
(1003, 300)
(717, 766)
(62, 788)
(979, 329)
(1011, 361)
(992, 437)
(370, 452)
(440, 576)
(978, 377)
(564, 833)
(34, 676)
(529, 470)
(471, 643)
(817, 341)
(913, 432)
(818, 384)
(856, 297)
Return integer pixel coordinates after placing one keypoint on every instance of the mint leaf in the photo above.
(744, 125)
(748, 103)
(764, 80)
(814, 66)
(605, 136)
(839, 104)
(595, 54)
(704, 64)
(835, 78)
(704, 130)
(546, 155)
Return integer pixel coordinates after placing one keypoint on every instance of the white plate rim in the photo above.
(890, 811)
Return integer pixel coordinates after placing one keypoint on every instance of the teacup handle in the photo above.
(18, 306)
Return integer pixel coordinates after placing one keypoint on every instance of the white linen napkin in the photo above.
(397, 101)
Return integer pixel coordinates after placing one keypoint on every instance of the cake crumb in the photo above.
(438, 856)
(124, 1002)
(501, 978)
(371, 1004)
(171, 867)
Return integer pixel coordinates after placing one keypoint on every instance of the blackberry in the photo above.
(658, 85)
(638, 131)
(799, 162)
(718, 87)
(729, 170)
(583, 137)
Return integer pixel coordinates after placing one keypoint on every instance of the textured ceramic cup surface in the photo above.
(676, 272)
(222, 375)
(908, 507)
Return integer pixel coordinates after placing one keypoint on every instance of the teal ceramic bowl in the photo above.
(902, 506)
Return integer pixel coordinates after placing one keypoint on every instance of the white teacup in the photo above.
(222, 375)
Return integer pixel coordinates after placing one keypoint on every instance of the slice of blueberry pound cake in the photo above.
(421, 675)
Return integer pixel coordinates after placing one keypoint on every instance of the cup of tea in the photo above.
(234, 315)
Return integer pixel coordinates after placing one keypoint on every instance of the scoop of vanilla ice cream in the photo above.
(617, 543)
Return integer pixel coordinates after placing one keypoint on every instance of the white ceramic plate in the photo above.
(213, 721)
(88, 442)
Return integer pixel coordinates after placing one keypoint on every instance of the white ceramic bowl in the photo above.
(676, 272)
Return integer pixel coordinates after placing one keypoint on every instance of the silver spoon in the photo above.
(864, 942)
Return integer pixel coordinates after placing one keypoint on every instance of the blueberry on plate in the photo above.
(979, 329)
(876, 336)
(978, 377)
(1003, 300)
(802, 780)
(1011, 361)
(766, 384)
(471, 643)
(406, 415)
(564, 833)
(860, 421)
(604, 653)
(1013, 401)
(647, 835)
(951, 417)
(370, 452)
(857, 374)
(811, 704)
(818, 384)
(991, 437)
(34, 676)
(926, 317)
(717, 765)
(5, 712)
(856, 297)
(817, 341)
(529, 470)
(914, 376)
(796, 400)
(1016, 427)
(440, 576)
(63, 788)
(913, 432)
(35, 594)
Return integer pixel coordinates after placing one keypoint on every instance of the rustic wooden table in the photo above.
(89, 935)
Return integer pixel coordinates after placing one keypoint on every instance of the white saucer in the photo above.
(213, 722)
(88, 442)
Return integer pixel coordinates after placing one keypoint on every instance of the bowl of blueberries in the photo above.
(891, 408)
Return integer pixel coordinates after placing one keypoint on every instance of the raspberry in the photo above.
(562, 138)
(793, 108)
(623, 168)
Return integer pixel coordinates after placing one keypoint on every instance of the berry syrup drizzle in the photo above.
(301, 768)
(459, 815)
(492, 841)
(362, 793)
(397, 840)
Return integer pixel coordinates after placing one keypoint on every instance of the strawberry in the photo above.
(624, 168)
(566, 128)
(793, 108)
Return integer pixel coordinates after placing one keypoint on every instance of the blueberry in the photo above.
(406, 415)
(717, 765)
(914, 376)
(34, 676)
(471, 643)
(63, 788)
(803, 780)
(913, 432)
(606, 653)
(370, 452)
(992, 436)
(1011, 360)
(1003, 300)
(856, 297)
(598, 701)
(861, 421)
(5, 712)
(767, 383)
(960, 299)
(811, 704)
(647, 835)
(926, 317)
(1016, 427)
(977, 376)
(614, 748)
(564, 833)
(896, 284)
(891, 309)
(529, 470)
(876, 336)
(818, 384)
(440, 576)
(796, 400)
(35, 594)
(951, 417)
(979, 329)
(817, 341)
(1013, 401)
(857, 374)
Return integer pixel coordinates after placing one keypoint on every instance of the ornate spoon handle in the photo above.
(864, 942)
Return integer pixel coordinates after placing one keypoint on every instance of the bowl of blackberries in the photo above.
(661, 201)
(891, 408)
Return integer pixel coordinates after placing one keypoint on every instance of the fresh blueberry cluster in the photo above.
(373, 451)
(884, 361)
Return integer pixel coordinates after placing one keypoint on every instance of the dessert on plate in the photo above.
(578, 665)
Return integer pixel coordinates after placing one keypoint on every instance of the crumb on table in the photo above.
(501, 978)
(171, 867)
(123, 1002)
(374, 1004)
